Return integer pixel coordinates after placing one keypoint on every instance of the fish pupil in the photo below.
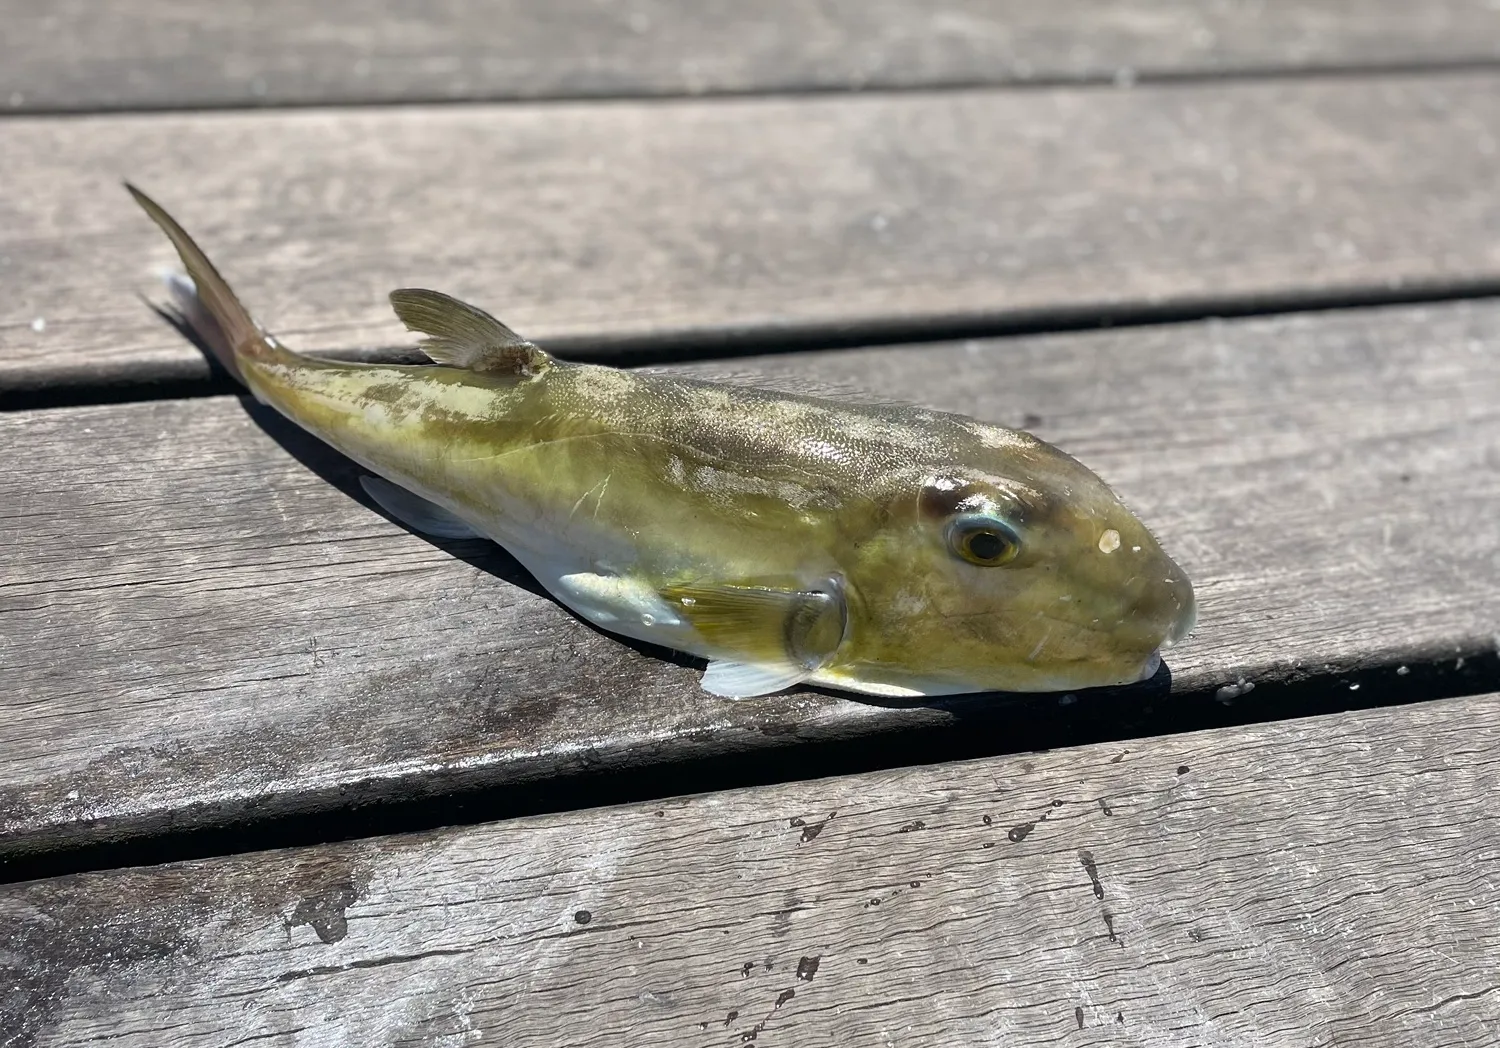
(986, 545)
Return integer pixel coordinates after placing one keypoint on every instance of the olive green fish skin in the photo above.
(871, 548)
(674, 481)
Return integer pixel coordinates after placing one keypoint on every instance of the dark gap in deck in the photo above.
(1122, 78)
(188, 378)
(982, 726)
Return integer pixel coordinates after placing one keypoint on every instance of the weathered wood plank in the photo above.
(1323, 881)
(198, 628)
(593, 226)
(150, 53)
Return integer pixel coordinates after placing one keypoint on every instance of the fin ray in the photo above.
(767, 622)
(612, 600)
(234, 330)
(741, 680)
(464, 336)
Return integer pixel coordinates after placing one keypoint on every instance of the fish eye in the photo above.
(983, 540)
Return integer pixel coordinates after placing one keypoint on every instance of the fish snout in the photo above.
(1165, 608)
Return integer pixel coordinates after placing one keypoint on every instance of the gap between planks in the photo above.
(1120, 80)
(180, 379)
(156, 54)
(1030, 725)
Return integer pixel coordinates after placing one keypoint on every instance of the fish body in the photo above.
(872, 548)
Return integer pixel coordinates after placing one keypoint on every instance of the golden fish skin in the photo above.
(882, 549)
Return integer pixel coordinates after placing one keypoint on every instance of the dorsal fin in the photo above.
(462, 336)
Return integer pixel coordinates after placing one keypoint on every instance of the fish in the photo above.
(785, 538)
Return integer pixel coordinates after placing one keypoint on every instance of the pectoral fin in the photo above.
(416, 512)
(772, 636)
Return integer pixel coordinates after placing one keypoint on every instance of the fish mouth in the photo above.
(1148, 668)
(1186, 620)
(1180, 628)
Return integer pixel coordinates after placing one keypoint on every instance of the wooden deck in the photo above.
(275, 770)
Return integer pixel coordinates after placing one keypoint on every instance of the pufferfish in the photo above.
(786, 539)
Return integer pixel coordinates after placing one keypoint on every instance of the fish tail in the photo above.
(216, 316)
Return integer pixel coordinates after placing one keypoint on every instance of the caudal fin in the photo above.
(208, 304)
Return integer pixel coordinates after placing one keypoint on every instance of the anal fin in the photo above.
(415, 512)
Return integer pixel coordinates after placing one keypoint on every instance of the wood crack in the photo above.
(377, 962)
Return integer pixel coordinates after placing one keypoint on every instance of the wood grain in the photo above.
(130, 54)
(199, 626)
(1326, 881)
(594, 227)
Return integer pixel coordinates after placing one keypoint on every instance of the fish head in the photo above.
(1010, 566)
